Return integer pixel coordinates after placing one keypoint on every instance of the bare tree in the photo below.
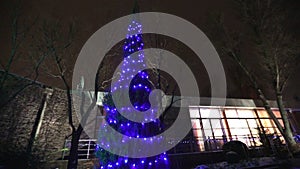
(159, 81)
(274, 48)
(12, 85)
(57, 41)
(20, 31)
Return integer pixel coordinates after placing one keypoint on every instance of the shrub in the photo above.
(235, 149)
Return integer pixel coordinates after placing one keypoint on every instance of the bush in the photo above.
(232, 157)
(236, 150)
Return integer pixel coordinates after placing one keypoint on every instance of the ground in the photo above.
(262, 162)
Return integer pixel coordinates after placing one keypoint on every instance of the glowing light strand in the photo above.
(139, 86)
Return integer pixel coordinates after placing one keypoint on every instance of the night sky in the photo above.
(89, 16)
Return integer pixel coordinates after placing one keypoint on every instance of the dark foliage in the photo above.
(238, 147)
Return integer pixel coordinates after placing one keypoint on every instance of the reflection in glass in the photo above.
(246, 113)
(210, 113)
(194, 112)
(211, 129)
(231, 113)
(196, 124)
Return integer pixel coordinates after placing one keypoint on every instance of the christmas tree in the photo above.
(133, 68)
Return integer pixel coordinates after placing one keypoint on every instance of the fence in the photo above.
(86, 148)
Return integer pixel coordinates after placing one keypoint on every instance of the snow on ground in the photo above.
(262, 162)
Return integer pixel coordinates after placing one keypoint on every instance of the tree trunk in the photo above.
(289, 138)
(34, 130)
(269, 111)
(73, 157)
(260, 93)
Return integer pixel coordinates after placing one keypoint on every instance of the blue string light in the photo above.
(139, 90)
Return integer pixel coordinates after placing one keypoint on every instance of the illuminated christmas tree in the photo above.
(133, 68)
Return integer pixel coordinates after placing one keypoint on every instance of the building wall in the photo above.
(19, 116)
(54, 128)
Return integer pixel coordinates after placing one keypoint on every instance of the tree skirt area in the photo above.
(262, 162)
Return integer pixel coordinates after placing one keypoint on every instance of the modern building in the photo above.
(40, 110)
(211, 126)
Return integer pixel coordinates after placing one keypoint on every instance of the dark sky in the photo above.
(91, 15)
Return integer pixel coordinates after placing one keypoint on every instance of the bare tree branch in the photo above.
(272, 46)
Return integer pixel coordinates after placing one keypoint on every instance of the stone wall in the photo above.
(18, 116)
(54, 126)
(18, 119)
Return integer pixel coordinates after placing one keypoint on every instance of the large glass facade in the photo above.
(214, 126)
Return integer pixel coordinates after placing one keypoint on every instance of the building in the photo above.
(39, 111)
(212, 126)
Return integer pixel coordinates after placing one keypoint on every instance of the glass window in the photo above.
(256, 141)
(281, 122)
(208, 133)
(215, 123)
(200, 143)
(252, 123)
(218, 132)
(246, 113)
(206, 124)
(210, 113)
(196, 124)
(262, 114)
(270, 130)
(266, 122)
(197, 133)
(231, 113)
(194, 112)
(254, 131)
(209, 124)
(237, 123)
(277, 113)
(240, 132)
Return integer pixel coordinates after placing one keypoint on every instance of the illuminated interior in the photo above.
(214, 126)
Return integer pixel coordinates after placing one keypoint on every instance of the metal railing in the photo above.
(86, 148)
